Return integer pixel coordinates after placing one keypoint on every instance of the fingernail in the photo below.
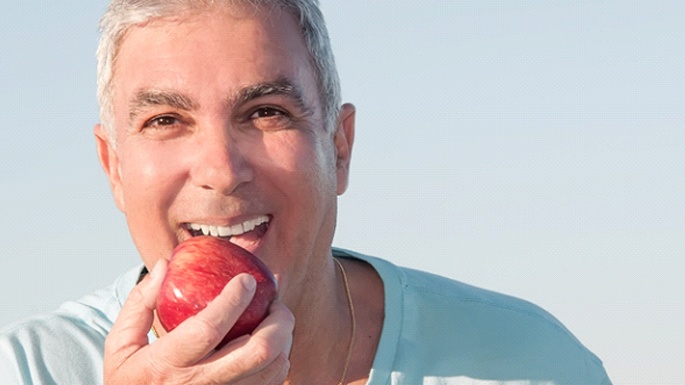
(249, 282)
(156, 270)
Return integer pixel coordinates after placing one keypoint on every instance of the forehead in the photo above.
(213, 51)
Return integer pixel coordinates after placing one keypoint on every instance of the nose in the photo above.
(220, 163)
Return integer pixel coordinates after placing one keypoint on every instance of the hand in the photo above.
(186, 355)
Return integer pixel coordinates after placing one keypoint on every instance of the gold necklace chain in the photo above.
(350, 304)
(352, 318)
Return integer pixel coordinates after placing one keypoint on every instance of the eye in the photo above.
(162, 122)
(270, 119)
(267, 112)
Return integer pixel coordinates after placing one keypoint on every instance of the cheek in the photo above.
(148, 177)
(150, 185)
(303, 164)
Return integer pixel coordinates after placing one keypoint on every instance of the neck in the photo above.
(323, 329)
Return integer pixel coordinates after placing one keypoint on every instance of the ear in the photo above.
(344, 139)
(110, 163)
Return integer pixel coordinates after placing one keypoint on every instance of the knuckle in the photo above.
(136, 295)
(262, 351)
(284, 363)
(161, 371)
(115, 348)
(204, 332)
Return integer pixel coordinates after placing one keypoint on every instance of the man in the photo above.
(224, 118)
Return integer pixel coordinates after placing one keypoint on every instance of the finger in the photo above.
(279, 326)
(281, 374)
(252, 354)
(129, 332)
(273, 374)
(197, 336)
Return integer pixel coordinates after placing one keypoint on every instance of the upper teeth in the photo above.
(229, 231)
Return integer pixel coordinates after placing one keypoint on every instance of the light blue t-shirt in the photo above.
(436, 332)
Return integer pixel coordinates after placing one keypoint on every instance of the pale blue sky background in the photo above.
(531, 147)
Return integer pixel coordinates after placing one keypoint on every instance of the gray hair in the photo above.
(123, 14)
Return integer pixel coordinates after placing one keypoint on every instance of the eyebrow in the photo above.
(154, 97)
(281, 86)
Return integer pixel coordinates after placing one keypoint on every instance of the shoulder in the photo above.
(66, 345)
(437, 324)
(428, 291)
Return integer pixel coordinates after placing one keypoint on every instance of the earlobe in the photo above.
(110, 163)
(344, 139)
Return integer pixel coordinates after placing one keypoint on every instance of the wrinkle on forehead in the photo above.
(152, 94)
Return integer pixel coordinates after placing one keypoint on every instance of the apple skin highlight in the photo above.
(198, 270)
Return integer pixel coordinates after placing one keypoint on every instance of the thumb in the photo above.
(129, 332)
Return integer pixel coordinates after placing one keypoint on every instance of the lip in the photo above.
(233, 229)
(236, 229)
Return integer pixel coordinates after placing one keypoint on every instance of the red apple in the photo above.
(198, 270)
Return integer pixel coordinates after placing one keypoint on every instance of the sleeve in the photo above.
(12, 361)
(51, 349)
(65, 346)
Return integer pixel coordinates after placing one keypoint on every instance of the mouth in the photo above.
(243, 234)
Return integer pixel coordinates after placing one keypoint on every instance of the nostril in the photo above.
(220, 168)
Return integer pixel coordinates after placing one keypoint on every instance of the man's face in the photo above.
(219, 129)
